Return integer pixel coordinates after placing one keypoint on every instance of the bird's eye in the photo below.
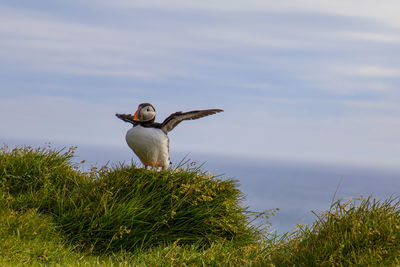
(148, 109)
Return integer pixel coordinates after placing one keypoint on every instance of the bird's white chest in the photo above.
(151, 145)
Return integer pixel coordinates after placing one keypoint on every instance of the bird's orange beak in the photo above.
(135, 117)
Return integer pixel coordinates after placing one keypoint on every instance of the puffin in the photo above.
(149, 139)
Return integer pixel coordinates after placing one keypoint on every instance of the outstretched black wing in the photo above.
(174, 119)
(126, 118)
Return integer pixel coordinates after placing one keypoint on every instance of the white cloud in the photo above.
(151, 50)
(372, 71)
(386, 12)
(389, 38)
(43, 43)
(345, 82)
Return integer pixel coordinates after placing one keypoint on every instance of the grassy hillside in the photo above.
(53, 213)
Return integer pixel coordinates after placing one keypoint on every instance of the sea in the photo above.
(300, 191)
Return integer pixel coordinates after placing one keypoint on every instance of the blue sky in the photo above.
(312, 81)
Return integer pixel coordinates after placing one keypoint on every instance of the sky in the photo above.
(305, 81)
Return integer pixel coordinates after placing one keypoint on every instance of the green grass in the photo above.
(53, 213)
(360, 232)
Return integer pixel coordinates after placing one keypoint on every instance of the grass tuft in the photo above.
(123, 207)
(361, 232)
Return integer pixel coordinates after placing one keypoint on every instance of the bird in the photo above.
(149, 139)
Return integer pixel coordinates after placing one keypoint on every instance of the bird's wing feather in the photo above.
(174, 119)
(126, 118)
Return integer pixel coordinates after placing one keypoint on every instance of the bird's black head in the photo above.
(145, 113)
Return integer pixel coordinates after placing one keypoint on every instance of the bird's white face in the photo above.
(144, 113)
